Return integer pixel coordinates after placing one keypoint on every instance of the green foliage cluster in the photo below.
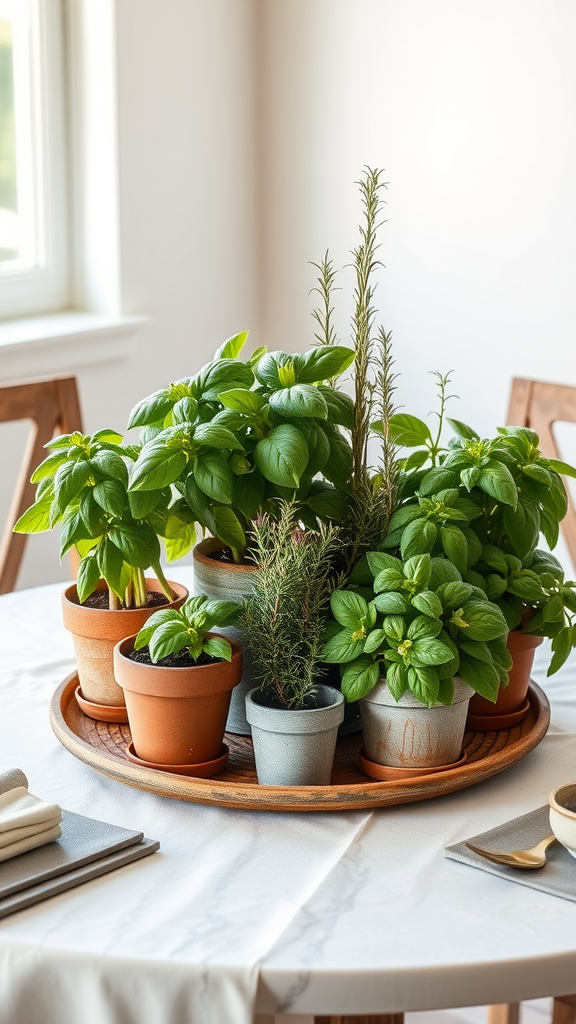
(416, 622)
(84, 486)
(482, 504)
(286, 615)
(177, 631)
(238, 435)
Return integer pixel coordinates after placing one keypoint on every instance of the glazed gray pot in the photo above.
(227, 582)
(295, 748)
(408, 734)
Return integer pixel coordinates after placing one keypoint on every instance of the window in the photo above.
(33, 223)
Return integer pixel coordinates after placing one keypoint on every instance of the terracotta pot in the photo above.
(96, 631)
(511, 704)
(230, 582)
(177, 715)
(407, 734)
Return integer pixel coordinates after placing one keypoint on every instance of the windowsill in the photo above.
(63, 342)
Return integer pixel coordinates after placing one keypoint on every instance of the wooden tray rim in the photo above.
(250, 796)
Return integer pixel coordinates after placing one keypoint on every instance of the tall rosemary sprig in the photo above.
(286, 615)
(326, 334)
(372, 495)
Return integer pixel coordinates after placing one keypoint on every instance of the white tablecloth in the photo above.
(356, 912)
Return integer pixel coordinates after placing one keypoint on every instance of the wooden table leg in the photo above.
(504, 1013)
(371, 1018)
(564, 1010)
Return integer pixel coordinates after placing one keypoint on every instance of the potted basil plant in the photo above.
(294, 717)
(484, 503)
(177, 677)
(83, 488)
(414, 642)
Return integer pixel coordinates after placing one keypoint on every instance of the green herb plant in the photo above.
(482, 504)
(237, 436)
(418, 624)
(286, 615)
(83, 486)
(181, 631)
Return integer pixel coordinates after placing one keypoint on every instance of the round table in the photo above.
(326, 913)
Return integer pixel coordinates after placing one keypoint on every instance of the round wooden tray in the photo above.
(102, 745)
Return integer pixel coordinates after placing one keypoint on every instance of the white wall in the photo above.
(243, 125)
(469, 106)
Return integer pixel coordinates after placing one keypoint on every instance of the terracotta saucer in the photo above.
(199, 771)
(101, 712)
(484, 723)
(385, 773)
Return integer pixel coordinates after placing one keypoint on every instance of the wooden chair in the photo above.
(539, 406)
(54, 408)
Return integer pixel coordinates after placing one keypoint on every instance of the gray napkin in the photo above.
(558, 876)
(11, 778)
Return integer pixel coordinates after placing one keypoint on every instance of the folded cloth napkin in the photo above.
(11, 778)
(26, 822)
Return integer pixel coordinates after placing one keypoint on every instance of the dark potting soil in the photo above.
(100, 599)
(172, 660)
(267, 699)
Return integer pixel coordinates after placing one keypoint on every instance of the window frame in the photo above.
(43, 285)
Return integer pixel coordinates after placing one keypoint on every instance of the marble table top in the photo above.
(353, 912)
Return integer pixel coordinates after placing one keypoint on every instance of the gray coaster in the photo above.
(558, 876)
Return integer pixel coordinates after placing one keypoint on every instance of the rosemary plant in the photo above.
(286, 616)
(372, 490)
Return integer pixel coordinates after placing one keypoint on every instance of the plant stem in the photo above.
(140, 594)
(113, 600)
(166, 588)
(323, 315)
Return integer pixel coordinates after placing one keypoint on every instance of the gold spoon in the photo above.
(534, 858)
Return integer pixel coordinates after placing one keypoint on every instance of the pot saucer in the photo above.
(101, 712)
(484, 723)
(386, 773)
(199, 771)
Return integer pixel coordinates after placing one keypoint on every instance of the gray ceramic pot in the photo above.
(407, 734)
(295, 748)
(228, 582)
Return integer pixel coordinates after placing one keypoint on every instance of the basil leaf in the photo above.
(341, 648)
(232, 348)
(214, 477)
(348, 608)
(216, 436)
(429, 651)
(391, 603)
(217, 647)
(418, 537)
(423, 626)
(455, 546)
(300, 400)
(138, 544)
(408, 430)
(87, 578)
(250, 403)
(497, 481)
(111, 496)
(151, 410)
(69, 480)
(359, 678)
(428, 603)
(282, 457)
(323, 362)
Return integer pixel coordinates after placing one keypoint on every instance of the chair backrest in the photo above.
(539, 406)
(54, 408)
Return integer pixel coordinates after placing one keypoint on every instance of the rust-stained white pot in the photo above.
(407, 734)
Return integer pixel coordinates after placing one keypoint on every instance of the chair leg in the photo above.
(371, 1018)
(504, 1013)
(564, 1010)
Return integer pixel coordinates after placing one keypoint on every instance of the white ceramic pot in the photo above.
(295, 748)
(407, 734)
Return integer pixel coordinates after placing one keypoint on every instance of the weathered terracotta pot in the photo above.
(96, 631)
(229, 582)
(407, 734)
(177, 715)
(512, 703)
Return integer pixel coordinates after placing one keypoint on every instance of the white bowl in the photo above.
(563, 816)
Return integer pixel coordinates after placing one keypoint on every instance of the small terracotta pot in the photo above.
(96, 631)
(512, 699)
(177, 715)
(228, 581)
